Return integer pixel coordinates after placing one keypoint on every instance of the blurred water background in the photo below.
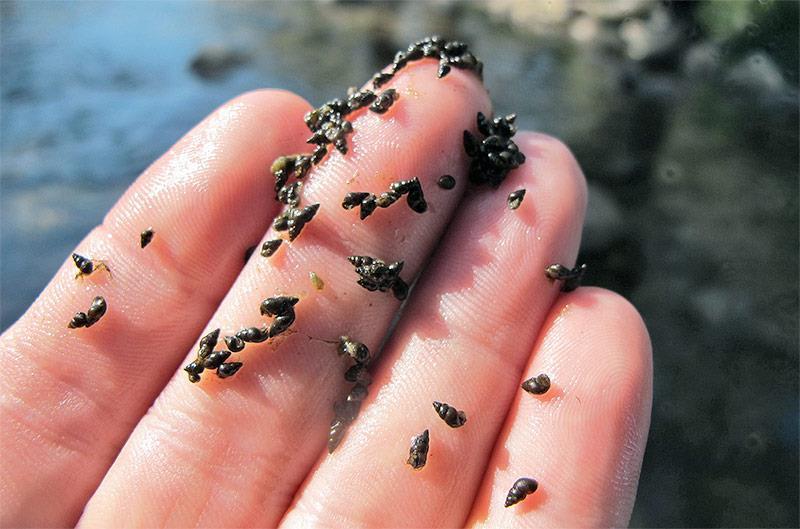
(684, 117)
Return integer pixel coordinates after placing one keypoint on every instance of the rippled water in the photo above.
(690, 147)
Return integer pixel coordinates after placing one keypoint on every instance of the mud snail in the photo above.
(538, 385)
(86, 319)
(384, 101)
(571, 278)
(451, 416)
(521, 489)
(208, 358)
(346, 411)
(270, 247)
(87, 266)
(281, 307)
(293, 220)
(450, 53)
(377, 275)
(515, 198)
(146, 237)
(368, 202)
(418, 452)
(446, 182)
(494, 156)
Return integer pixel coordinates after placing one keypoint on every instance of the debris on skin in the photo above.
(515, 198)
(446, 182)
(494, 156)
(377, 275)
(86, 319)
(87, 266)
(571, 277)
(451, 416)
(367, 202)
(418, 453)
(537, 385)
(146, 237)
(316, 281)
(521, 489)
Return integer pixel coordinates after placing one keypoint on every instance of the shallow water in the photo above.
(691, 153)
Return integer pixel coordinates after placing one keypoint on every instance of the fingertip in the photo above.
(553, 160)
(622, 360)
(584, 439)
(598, 345)
(266, 100)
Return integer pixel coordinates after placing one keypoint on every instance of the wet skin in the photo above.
(101, 427)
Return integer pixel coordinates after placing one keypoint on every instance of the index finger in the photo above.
(63, 418)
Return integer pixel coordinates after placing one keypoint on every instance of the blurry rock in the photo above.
(657, 39)
(621, 167)
(584, 29)
(538, 17)
(215, 62)
(613, 10)
(759, 74)
(604, 221)
(702, 60)
(720, 306)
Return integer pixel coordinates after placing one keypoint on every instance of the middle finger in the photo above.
(463, 340)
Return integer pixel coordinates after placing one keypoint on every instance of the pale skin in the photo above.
(100, 427)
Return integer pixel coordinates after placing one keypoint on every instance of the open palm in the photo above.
(101, 427)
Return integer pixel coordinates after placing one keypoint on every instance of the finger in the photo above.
(583, 441)
(232, 452)
(463, 340)
(63, 415)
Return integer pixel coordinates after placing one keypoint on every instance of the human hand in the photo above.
(77, 420)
